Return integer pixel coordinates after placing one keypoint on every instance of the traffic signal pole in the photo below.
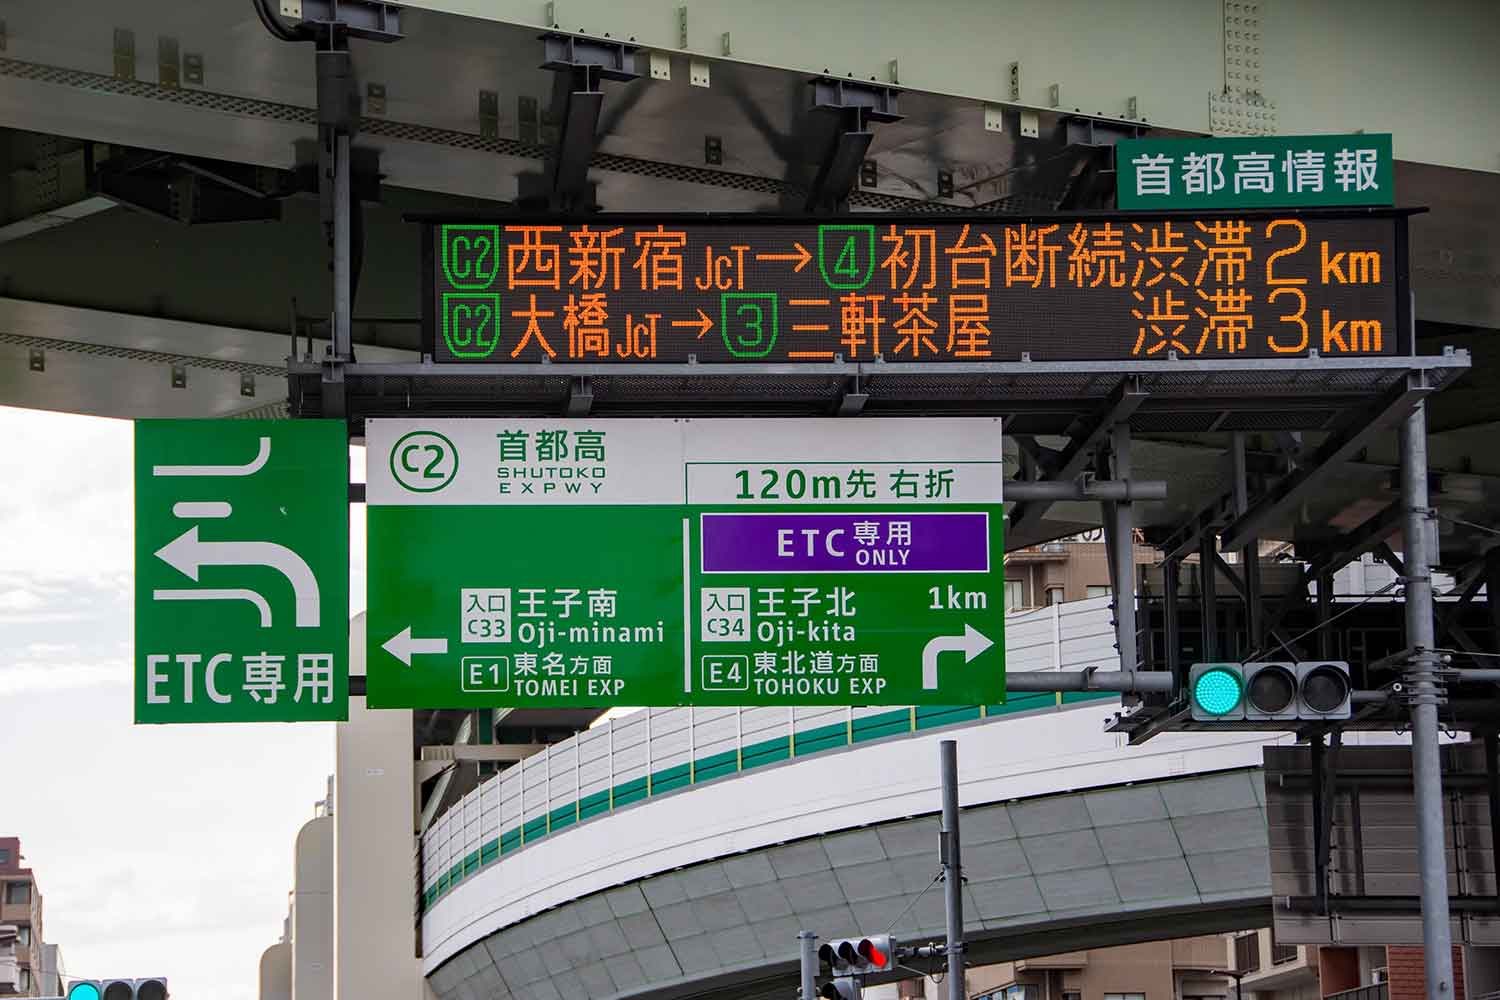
(1424, 692)
(952, 870)
(809, 942)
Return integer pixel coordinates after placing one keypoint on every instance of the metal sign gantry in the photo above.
(1346, 400)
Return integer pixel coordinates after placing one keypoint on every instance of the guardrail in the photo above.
(657, 751)
(1378, 991)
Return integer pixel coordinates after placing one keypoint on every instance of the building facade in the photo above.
(21, 946)
(1247, 965)
(1271, 971)
(1073, 569)
(1182, 969)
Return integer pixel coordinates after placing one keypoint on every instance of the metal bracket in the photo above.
(1094, 132)
(580, 64)
(580, 397)
(852, 402)
(489, 114)
(367, 19)
(168, 63)
(857, 105)
(1086, 437)
(124, 53)
(191, 191)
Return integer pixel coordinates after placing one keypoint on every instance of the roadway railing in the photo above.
(653, 752)
(1377, 991)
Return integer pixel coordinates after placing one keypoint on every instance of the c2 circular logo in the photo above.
(424, 461)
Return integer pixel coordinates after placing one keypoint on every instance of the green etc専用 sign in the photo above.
(1304, 171)
(684, 562)
(241, 570)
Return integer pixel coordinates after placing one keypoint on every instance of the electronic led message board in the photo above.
(757, 290)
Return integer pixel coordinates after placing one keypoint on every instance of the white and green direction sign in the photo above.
(684, 562)
(241, 570)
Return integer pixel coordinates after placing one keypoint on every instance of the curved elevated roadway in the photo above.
(675, 853)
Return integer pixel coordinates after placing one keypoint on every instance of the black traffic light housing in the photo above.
(1303, 691)
(842, 988)
(859, 956)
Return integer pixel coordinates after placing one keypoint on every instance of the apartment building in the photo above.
(1182, 969)
(21, 947)
(1271, 971)
(1069, 570)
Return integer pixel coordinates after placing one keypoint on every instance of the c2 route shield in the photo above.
(684, 562)
(241, 570)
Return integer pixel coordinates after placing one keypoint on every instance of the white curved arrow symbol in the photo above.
(402, 646)
(971, 643)
(187, 554)
(262, 455)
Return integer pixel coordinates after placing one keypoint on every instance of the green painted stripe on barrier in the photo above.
(873, 727)
(811, 741)
(593, 805)
(1022, 703)
(1073, 697)
(677, 776)
(766, 752)
(932, 716)
(822, 738)
(564, 816)
(716, 766)
(633, 790)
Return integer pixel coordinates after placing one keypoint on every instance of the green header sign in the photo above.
(684, 562)
(1300, 171)
(241, 570)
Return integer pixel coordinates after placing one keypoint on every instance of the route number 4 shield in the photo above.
(241, 571)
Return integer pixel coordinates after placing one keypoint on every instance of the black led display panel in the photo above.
(757, 290)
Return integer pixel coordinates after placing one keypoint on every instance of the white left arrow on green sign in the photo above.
(186, 554)
(403, 646)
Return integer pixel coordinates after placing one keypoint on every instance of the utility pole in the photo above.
(1234, 974)
(952, 870)
(809, 942)
(1424, 692)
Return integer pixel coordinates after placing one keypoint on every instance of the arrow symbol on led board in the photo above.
(402, 646)
(971, 644)
(802, 257)
(703, 323)
(188, 555)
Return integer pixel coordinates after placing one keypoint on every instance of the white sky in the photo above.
(159, 850)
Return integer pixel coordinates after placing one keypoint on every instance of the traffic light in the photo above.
(842, 988)
(151, 988)
(859, 956)
(1217, 692)
(1261, 692)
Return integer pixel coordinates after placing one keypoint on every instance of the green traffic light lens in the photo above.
(1217, 691)
(83, 991)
